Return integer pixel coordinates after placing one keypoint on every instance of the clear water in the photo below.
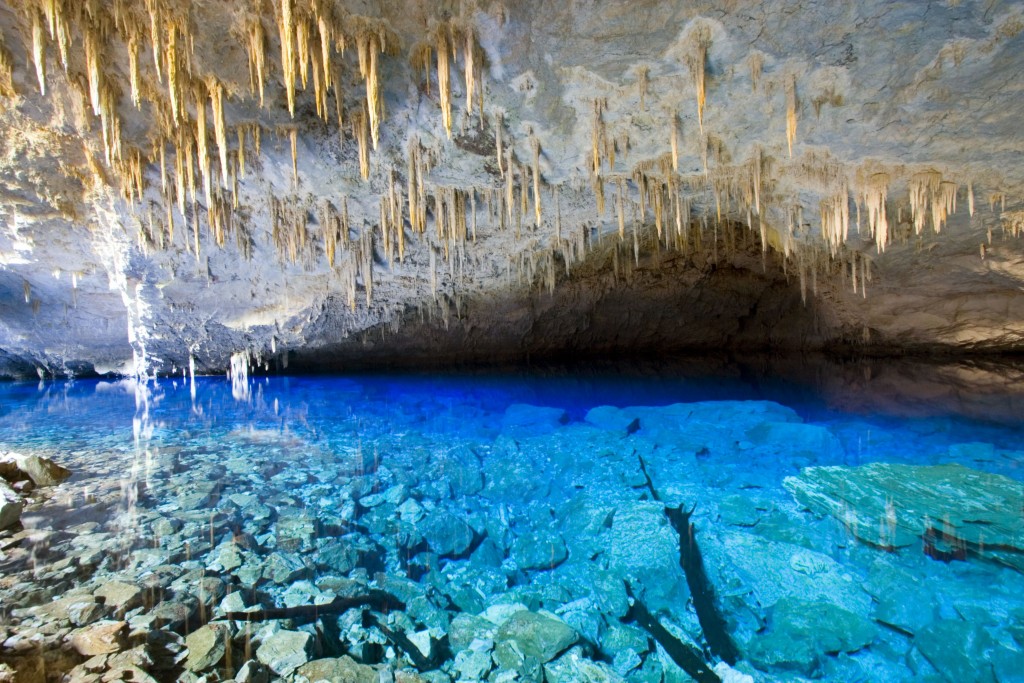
(447, 493)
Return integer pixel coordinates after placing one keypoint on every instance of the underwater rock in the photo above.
(252, 672)
(343, 669)
(644, 550)
(84, 613)
(572, 668)
(474, 663)
(800, 633)
(613, 419)
(795, 439)
(539, 551)
(446, 534)
(955, 510)
(10, 506)
(100, 638)
(42, 471)
(465, 629)
(527, 420)
(206, 646)
(958, 651)
(119, 596)
(283, 568)
(751, 574)
(537, 635)
(285, 651)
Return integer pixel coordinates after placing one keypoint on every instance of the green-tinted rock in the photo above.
(206, 646)
(891, 505)
(339, 670)
(537, 635)
(957, 651)
(42, 471)
(572, 668)
(446, 534)
(539, 551)
(10, 506)
(801, 633)
(465, 628)
(285, 651)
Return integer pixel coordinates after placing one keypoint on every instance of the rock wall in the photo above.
(303, 176)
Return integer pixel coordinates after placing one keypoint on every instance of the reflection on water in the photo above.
(778, 520)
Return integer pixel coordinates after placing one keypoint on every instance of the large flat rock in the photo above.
(951, 508)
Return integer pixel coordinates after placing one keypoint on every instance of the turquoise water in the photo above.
(521, 527)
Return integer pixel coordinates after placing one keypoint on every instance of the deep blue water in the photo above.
(462, 447)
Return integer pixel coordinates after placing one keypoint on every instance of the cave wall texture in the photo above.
(334, 183)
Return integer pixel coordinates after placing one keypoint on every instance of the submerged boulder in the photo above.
(42, 471)
(537, 635)
(953, 509)
(801, 633)
(10, 506)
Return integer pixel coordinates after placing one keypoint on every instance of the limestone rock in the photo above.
(537, 635)
(338, 670)
(252, 672)
(643, 548)
(572, 668)
(206, 646)
(539, 551)
(447, 535)
(42, 471)
(285, 651)
(801, 633)
(893, 506)
(119, 596)
(10, 506)
(100, 638)
(532, 420)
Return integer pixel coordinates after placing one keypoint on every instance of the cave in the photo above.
(483, 340)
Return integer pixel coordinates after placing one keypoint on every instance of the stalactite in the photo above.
(791, 106)
(201, 142)
(240, 133)
(874, 189)
(696, 61)
(470, 67)
(6, 70)
(924, 189)
(293, 139)
(173, 87)
(38, 49)
(674, 142)
(642, 74)
(597, 135)
(509, 184)
(219, 128)
(970, 198)
(620, 209)
(256, 50)
(302, 51)
(286, 33)
(498, 125)
(472, 208)
(535, 144)
(133, 70)
(599, 194)
(835, 220)
(360, 130)
(943, 204)
(443, 49)
(756, 63)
